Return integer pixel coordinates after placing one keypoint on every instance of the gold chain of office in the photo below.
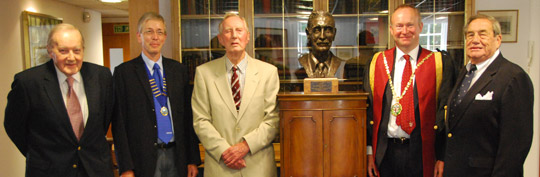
(396, 108)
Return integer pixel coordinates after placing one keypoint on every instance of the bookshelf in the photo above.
(277, 29)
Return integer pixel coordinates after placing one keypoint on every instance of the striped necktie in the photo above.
(235, 86)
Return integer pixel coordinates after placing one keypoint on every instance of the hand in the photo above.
(235, 153)
(192, 170)
(439, 166)
(239, 164)
(128, 173)
(372, 169)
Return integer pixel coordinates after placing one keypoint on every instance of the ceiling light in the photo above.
(31, 9)
(111, 1)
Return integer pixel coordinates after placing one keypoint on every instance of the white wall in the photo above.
(529, 11)
(13, 163)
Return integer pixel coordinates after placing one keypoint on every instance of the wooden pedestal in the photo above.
(323, 135)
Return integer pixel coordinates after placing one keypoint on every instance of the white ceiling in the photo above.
(108, 10)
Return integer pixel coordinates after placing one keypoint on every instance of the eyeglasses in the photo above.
(152, 32)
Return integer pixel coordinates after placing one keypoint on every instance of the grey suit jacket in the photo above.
(219, 125)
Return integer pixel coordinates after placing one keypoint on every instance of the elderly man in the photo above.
(320, 61)
(234, 108)
(408, 86)
(58, 113)
(152, 127)
(489, 122)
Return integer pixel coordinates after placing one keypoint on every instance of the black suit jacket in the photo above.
(37, 122)
(491, 137)
(415, 150)
(134, 124)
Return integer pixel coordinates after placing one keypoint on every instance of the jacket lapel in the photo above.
(91, 89)
(223, 86)
(480, 84)
(141, 73)
(52, 88)
(251, 82)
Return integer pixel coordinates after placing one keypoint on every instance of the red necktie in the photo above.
(74, 110)
(235, 86)
(406, 118)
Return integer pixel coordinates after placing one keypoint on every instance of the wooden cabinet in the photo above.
(323, 134)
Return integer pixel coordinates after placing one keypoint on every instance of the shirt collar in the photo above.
(485, 63)
(62, 77)
(241, 66)
(413, 53)
(150, 64)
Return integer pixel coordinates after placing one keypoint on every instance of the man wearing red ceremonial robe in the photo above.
(408, 87)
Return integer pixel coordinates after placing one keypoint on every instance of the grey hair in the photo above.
(149, 16)
(229, 15)
(495, 25)
(58, 28)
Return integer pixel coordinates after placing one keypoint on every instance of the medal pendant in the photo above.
(164, 111)
(396, 109)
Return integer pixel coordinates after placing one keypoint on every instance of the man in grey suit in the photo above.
(58, 113)
(489, 123)
(234, 108)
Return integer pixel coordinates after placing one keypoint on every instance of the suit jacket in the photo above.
(134, 124)
(37, 122)
(491, 135)
(219, 125)
(416, 140)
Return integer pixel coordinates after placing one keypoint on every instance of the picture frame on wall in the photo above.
(509, 23)
(35, 31)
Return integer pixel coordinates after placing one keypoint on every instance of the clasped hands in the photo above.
(234, 156)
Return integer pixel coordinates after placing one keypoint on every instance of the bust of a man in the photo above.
(321, 31)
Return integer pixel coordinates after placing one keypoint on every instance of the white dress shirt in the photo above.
(481, 67)
(78, 88)
(242, 66)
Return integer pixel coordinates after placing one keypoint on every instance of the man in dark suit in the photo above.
(489, 122)
(408, 86)
(58, 113)
(152, 127)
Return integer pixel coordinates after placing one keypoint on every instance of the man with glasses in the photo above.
(152, 126)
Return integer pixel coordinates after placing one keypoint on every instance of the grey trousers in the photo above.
(165, 166)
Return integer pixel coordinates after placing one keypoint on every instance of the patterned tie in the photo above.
(465, 84)
(235, 86)
(406, 118)
(163, 122)
(74, 110)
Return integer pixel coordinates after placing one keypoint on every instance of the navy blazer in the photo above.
(491, 135)
(37, 122)
(134, 123)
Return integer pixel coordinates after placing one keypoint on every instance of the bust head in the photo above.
(321, 31)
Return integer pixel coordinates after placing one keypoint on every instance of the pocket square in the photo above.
(487, 96)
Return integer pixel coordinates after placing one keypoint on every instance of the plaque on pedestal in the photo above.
(320, 85)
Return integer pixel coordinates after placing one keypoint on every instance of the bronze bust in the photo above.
(320, 62)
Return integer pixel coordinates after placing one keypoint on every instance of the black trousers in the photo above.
(398, 161)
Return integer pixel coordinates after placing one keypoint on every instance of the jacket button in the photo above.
(155, 126)
(153, 110)
(449, 135)
(435, 127)
(371, 122)
(74, 165)
(79, 148)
